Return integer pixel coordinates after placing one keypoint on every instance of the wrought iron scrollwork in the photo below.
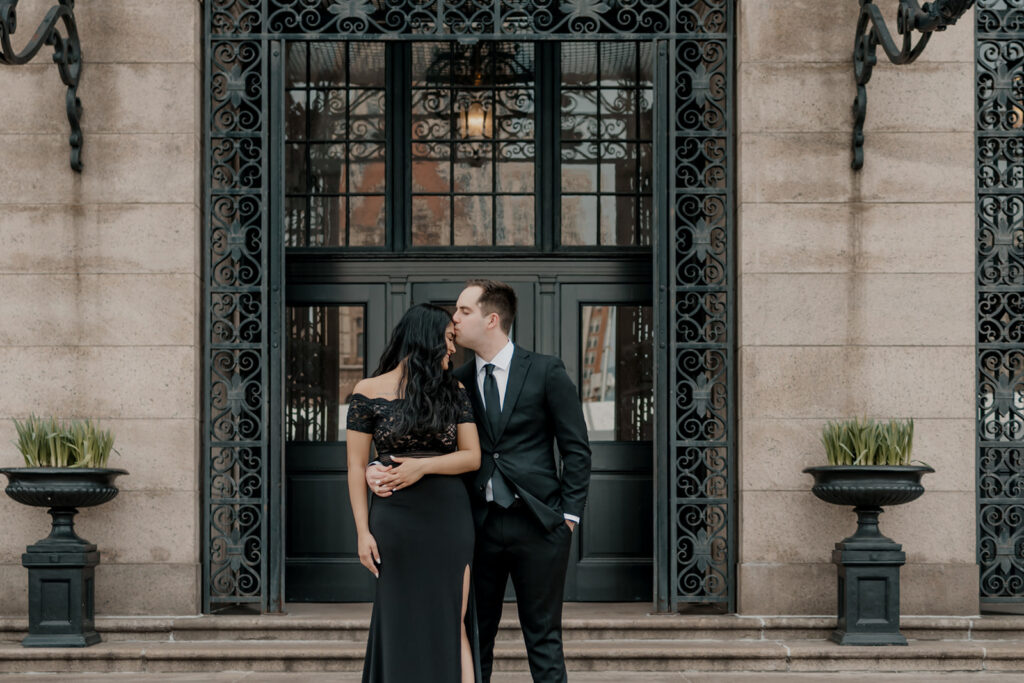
(67, 53)
(239, 542)
(999, 306)
(872, 31)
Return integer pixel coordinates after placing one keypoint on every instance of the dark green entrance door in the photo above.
(333, 331)
(411, 166)
(601, 331)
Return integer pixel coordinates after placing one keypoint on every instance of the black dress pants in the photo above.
(513, 543)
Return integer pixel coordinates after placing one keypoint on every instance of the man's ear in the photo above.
(493, 320)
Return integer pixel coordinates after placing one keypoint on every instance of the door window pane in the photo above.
(473, 143)
(335, 160)
(326, 356)
(606, 143)
(617, 372)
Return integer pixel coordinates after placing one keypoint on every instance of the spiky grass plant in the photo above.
(46, 442)
(867, 442)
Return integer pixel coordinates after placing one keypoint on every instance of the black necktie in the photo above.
(492, 408)
(492, 400)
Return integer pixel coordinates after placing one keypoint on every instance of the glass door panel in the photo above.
(335, 335)
(606, 344)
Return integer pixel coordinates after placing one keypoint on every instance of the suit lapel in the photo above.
(516, 377)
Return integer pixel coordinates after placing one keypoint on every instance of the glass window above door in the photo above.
(421, 146)
(606, 120)
(473, 148)
(335, 145)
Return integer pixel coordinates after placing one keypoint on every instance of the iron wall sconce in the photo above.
(67, 53)
(872, 31)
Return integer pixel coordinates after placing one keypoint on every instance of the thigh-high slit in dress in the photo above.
(425, 535)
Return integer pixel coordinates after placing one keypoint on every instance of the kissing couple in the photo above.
(466, 492)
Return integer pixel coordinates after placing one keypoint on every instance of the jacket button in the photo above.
(497, 455)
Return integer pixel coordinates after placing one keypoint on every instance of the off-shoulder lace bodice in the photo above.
(376, 416)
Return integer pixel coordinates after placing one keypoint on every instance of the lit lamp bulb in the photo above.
(476, 120)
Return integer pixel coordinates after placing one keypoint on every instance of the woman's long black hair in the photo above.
(430, 393)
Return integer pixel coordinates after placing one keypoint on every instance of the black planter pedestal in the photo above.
(61, 586)
(868, 568)
(867, 563)
(61, 567)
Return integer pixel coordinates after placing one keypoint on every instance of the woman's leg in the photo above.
(467, 652)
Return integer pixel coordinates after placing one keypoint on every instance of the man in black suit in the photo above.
(525, 513)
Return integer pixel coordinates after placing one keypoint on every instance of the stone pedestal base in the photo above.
(61, 587)
(868, 586)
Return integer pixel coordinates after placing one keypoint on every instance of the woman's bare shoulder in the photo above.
(382, 386)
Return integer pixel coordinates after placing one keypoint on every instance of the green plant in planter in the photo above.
(47, 442)
(867, 442)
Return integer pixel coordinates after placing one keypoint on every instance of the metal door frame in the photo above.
(243, 270)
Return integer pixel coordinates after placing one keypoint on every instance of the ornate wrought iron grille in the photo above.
(243, 417)
(999, 164)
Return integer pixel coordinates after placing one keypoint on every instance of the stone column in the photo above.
(856, 298)
(100, 274)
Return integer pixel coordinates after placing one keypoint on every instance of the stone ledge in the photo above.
(588, 655)
(991, 630)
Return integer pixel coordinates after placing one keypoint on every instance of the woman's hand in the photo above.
(409, 471)
(369, 556)
(374, 477)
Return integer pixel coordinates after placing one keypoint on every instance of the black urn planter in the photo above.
(61, 567)
(867, 563)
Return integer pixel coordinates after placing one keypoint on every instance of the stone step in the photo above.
(801, 655)
(353, 628)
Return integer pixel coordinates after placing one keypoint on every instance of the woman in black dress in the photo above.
(418, 541)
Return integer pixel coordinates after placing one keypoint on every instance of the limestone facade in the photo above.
(856, 298)
(855, 294)
(101, 277)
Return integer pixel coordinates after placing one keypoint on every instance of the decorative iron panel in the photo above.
(999, 165)
(241, 437)
(700, 267)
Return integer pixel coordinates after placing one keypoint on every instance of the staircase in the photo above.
(598, 637)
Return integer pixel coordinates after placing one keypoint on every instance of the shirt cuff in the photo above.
(571, 518)
(374, 463)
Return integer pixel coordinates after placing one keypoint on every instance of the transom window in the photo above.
(426, 145)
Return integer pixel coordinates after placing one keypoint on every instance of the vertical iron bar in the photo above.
(205, 518)
(276, 250)
(307, 147)
(267, 314)
(545, 112)
(398, 146)
(731, 233)
(661, 248)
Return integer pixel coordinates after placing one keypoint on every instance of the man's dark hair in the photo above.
(497, 297)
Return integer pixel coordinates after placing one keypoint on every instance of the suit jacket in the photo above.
(541, 407)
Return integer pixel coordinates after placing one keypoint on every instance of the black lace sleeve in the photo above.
(360, 414)
(465, 407)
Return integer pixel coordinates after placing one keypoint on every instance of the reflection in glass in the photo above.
(326, 357)
(335, 150)
(606, 143)
(617, 372)
(473, 143)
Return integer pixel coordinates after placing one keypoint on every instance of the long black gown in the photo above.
(425, 537)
